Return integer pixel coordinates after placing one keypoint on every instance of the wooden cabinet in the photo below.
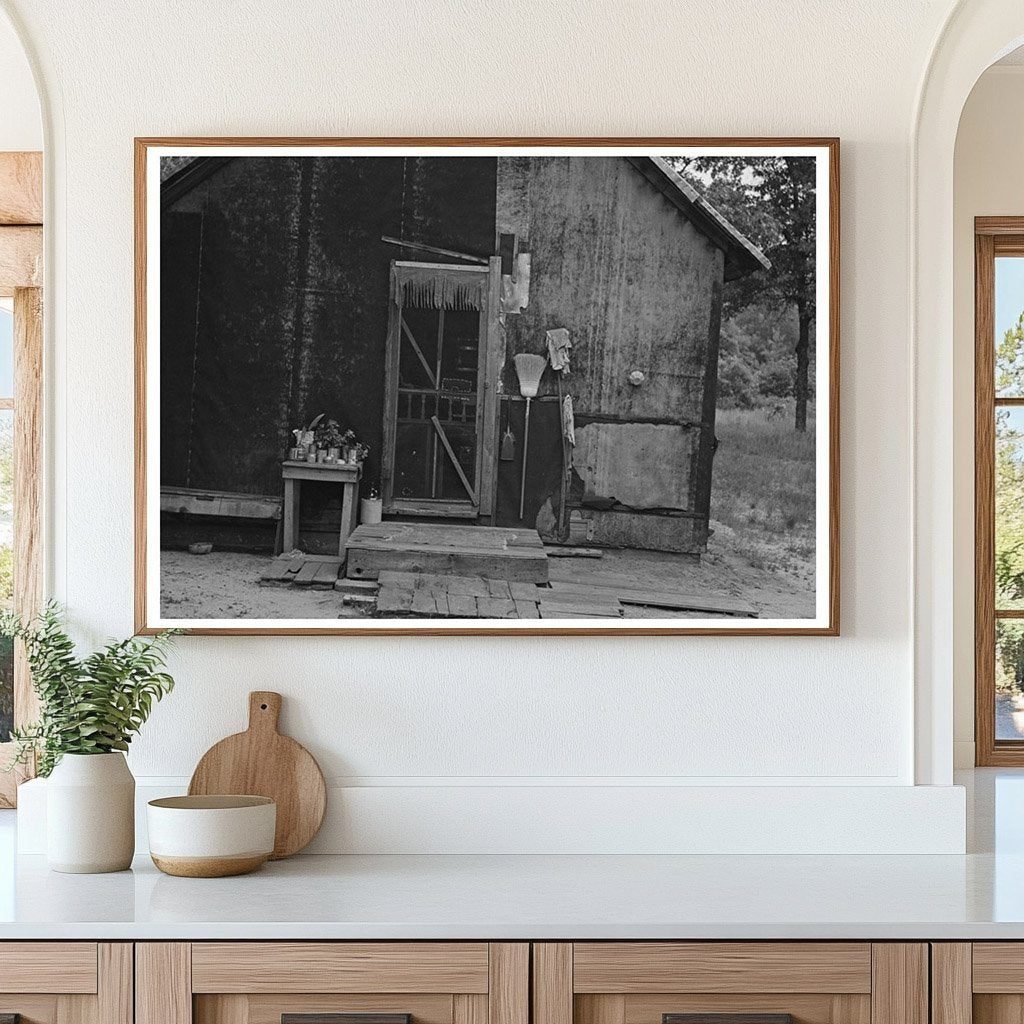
(494, 983)
(759, 982)
(263, 982)
(66, 982)
(978, 983)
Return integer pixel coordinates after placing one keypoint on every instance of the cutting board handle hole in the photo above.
(263, 707)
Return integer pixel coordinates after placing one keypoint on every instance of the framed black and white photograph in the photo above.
(487, 386)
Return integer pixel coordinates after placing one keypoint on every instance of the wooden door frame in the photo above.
(490, 360)
(993, 236)
(21, 277)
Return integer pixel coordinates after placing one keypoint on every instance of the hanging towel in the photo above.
(559, 349)
(568, 420)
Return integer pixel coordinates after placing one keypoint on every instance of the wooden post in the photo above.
(21, 188)
(28, 482)
(291, 515)
(349, 514)
(509, 983)
(899, 983)
(28, 501)
(114, 983)
(163, 983)
(552, 983)
(951, 983)
(21, 257)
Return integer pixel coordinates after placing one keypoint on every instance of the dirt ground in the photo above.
(225, 585)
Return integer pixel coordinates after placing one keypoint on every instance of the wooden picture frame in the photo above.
(824, 621)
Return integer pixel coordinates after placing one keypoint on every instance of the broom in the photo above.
(529, 368)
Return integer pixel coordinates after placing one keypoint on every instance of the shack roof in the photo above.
(742, 257)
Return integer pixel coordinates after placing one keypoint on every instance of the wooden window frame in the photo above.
(21, 278)
(993, 237)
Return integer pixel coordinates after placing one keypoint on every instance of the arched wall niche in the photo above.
(975, 35)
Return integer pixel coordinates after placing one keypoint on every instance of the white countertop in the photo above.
(977, 896)
(496, 897)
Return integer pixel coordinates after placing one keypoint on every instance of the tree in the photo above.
(1009, 470)
(772, 201)
(1010, 360)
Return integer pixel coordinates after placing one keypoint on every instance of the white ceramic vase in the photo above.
(90, 814)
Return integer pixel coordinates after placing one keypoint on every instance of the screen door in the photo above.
(435, 388)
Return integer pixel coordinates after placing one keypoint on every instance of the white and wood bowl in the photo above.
(211, 836)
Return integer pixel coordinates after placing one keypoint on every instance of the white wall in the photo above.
(21, 127)
(434, 715)
(987, 181)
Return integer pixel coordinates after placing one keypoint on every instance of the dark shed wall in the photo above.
(636, 285)
(274, 300)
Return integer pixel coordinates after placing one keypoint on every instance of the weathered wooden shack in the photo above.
(388, 292)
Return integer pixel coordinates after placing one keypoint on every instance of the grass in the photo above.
(763, 491)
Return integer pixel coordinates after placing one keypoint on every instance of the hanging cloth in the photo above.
(439, 288)
(568, 421)
(559, 349)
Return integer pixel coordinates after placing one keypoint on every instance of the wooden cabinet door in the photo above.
(730, 983)
(332, 983)
(978, 983)
(66, 982)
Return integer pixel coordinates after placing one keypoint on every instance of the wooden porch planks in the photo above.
(434, 595)
(631, 591)
(219, 503)
(495, 608)
(455, 550)
(451, 535)
(319, 572)
(556, 608)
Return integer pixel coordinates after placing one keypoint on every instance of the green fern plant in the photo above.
(90, 705)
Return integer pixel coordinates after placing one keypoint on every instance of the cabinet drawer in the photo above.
(634, 967)
(730, 983)
(66, 982)
(332, 983)
(66, 967)
(340, 967)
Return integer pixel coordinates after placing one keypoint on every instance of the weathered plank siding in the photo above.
(273, 272)
(636, 285)
(650, 478)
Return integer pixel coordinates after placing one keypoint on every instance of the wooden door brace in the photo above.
(451, 455)
(419, 352)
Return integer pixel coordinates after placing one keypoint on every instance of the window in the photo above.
(21, 366)
(6, 510)
(999, 490)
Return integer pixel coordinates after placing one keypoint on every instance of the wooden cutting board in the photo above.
(262, 762)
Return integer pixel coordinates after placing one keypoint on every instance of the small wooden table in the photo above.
(345, 473)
